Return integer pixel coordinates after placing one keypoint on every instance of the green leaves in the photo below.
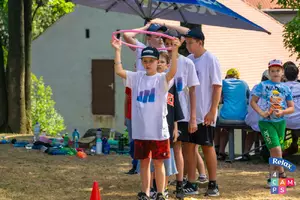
(291, 35)
(48, 13)
(291, 31)
(42, 107)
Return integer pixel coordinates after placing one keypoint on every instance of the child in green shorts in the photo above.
(276, 101)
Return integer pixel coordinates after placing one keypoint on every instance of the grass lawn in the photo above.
(30, 174)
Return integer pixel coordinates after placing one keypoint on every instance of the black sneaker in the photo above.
(160, 196)
(143, 196)
(179, 192)
(212, 190)
(190, 189)
(153, 194)
(131, 171)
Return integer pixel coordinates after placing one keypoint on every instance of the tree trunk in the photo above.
(3, 92)
(28, 37)
(16, 67)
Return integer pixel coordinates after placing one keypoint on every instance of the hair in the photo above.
(264, 78)
(165, 56)
(291, 71)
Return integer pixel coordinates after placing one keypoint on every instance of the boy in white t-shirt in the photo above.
(149, 110)
(152, 40)
(186, 80)
(208, 95)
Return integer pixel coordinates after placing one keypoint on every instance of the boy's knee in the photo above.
(158, 162)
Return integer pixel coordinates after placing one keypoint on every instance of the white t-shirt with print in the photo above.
(138, 51)
(185, 78)
(149, 105)
(209, 73)
(293, 120)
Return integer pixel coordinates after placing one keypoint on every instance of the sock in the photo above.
(212, 183)
(217, 148)
(202, 176)
(178, 184)
(154, 185)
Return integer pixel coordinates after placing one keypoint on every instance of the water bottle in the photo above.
(112, 134)
(105, 146)
(66, 140)
(37, 129)
(98, 142)
(76, 136)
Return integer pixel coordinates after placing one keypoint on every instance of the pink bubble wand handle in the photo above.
(143, 32)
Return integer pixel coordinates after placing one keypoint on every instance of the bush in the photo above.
(42, 108)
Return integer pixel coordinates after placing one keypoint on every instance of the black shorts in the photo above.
(183, 131)
(203, 136)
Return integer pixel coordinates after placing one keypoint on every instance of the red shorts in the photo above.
(155, 149)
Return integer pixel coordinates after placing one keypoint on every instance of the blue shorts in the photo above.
(129, 128)
(170, 165)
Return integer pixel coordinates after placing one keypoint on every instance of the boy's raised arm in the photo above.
(118, 64)
(173, 68)
(130, 37)
(180, 29)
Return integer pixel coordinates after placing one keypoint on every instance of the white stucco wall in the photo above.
(62, 55)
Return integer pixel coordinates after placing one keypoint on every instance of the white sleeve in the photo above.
(192, 74)
(163, 84)
(215, 72)
(130, 79)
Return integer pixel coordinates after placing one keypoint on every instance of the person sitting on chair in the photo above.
(235, 93)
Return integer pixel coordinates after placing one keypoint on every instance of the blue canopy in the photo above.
(209, 12)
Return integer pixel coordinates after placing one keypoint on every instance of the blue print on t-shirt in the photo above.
(146, 96)
(179, 84)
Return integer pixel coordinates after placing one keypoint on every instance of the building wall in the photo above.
(282, 17)
(62, 55)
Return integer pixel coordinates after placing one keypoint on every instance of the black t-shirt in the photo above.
(174, 110)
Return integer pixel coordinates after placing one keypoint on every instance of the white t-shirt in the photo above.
(293, 120)
(138, 51)
(209, 73)
(149, 105)
(185, 78)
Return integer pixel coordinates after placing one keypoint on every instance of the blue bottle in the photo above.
(75, 136)
(105, 146)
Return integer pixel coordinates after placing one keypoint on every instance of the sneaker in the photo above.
(184, 181)
(179, 193)
(222, 156)
(166, 193)
(212, 191)
(245, 157)
(190, 189)
(153, 194)
(160, 196)
(143, 196)
(268, 183)
(131, 171)
(202, 180)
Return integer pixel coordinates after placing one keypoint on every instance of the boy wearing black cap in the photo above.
(208, 95)
(152, 40)
(149, 110)
(186, 80)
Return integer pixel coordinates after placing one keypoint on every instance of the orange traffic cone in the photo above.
(95, 195)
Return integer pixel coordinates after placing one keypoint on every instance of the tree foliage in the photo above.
(43, 107)
(291, 31)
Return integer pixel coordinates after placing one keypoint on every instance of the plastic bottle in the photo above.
(37, 129)
(75, 136)
(105, 146)
(98, 142)
(66, 140)
(112, 134)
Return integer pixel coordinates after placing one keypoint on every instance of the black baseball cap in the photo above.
(157, 27)
(195, 33)
(150, 52)
(173, 33)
